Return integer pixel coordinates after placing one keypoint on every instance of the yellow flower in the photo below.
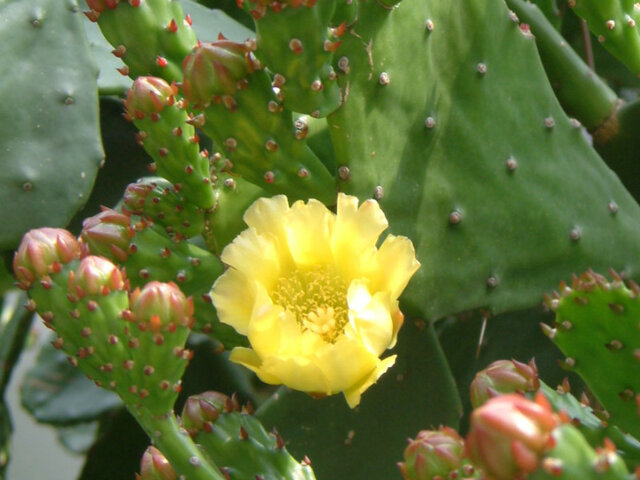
(315, 297)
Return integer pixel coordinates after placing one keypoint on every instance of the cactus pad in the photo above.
(597, 329)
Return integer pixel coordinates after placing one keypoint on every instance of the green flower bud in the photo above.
(215, 69)
(161, 305)
(504, 376)
(108, 234)
(154, 466)
(149, 96)
(432, 454)
(200, 411)
(43, 251)
(95, 276)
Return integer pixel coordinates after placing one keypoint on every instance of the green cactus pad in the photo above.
(152, 37)
(296, 44)
(237, 442)
(50, 141)
(470, 156)
(572, 458)
(173, 144)
(597, 329)
(615, 23)
(258, 136)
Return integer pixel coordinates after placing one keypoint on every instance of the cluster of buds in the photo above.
(128, 342)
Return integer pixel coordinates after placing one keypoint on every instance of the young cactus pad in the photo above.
(597, 329)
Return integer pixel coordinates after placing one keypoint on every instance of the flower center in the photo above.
(318, 299)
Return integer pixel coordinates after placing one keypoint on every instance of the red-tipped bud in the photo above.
(215, 69)
(95, 276)
(200, 411)
(504, 376)
(43, 251)
(159, 305)
(154, 466)
(149, 95)
(432, 454)
(108, 234)
(101, 5)
(509, 434)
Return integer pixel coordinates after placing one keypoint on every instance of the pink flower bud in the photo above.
(154, 466)
(149, 95)
(108, 234)
(215, 69)
(159, 305)
(432, 454)
(95, 276)
(43, 251)
(504, 376)
(509, 434)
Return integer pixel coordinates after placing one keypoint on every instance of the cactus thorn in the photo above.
(553, 466)
(244, 435)
(548, 331)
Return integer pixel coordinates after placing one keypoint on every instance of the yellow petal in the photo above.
(370, 317)
(354, 394)
(299, 373)
(395, 265)
(255, 256)
(270, 327)
(344, 363)
(309, 228)
(356, 233)
(233, 295)
(248, 358)
(266, 216)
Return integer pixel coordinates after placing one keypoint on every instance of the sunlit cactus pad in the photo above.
(597, 328)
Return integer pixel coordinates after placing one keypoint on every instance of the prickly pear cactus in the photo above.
(597, 329)
(614, 22)
(473, 168)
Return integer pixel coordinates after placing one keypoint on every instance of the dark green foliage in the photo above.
(49, 103)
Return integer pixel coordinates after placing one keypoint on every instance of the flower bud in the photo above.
(100, 6)
(215, 69)
(154, 466)
(504, 376)
(108, 234)
(95, 276)
(509, 434)
(200, 411)
(432, 454)
(149, 95)
(41, 252)
(159, 305)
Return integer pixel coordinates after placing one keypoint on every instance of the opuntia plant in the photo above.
(276, 239)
